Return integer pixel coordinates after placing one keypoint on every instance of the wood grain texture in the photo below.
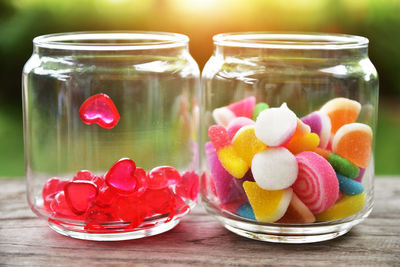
(199, 239)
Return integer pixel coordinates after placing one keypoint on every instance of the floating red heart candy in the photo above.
(188, 187)
(121, 176)
(50, 190)
(79, 195)
(163, 176)
(99, 109)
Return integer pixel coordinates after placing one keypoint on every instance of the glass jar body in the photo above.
(110, 173)
(294, 169)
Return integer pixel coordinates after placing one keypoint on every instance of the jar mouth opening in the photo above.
(290, 40)
(111, 41)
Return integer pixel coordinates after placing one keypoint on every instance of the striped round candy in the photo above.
(316, 184)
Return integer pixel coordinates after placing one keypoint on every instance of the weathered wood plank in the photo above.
(199, 239)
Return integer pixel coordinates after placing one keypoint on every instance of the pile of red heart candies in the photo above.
(125, 194)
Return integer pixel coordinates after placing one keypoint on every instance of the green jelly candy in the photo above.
(343, 166)
(258, 108)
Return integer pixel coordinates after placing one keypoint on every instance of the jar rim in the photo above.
(290, 40)
(111, 40)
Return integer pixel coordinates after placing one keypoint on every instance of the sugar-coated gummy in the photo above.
(258, 108)
(345, 207)
(341, 111)
(275, 126)
(274, 168)
(246, 211)
(343, 166)
(247, 144)
(267, 205)
(316, 185)
(232, 162)
(349, 186)
(297, 213)
(353, 141)
(225, 186)
(244, 107)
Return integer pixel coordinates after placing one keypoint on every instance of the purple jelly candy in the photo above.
(360, 176)
(321, 125)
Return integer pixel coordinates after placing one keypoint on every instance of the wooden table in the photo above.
(199, 239)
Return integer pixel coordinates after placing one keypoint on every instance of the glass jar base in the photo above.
(118, 236)
(291, 234)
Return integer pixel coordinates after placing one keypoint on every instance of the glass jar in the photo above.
(110, 132)
(287, 134)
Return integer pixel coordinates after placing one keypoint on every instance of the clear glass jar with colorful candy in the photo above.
(110, 132)
(287, 134)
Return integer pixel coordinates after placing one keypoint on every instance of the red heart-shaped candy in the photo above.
(99, 109)
(79, 195)
(162, 177)
(121, 176)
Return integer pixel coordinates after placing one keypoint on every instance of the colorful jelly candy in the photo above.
(160, 201)
(297, 213)
(258, 108)
(163, 176)
(353, 141)
(224, 182)
(320, 124)
(223, 116)
(246, 211)
(360, 176)
(236, 124)
(274, 168)
(99, 109)
(121, 176)
(246, 144)
(267, 205)
(349, 186)
(341, 111)
(227, 155)
(275, 126)
(79, 195)
(316, 184)
(243, 108)
(347, 206)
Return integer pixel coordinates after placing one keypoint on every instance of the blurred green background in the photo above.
(22, 20)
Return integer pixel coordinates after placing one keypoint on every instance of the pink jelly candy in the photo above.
(121, 176)
(188, 187)
(163, 176)
(99, 109)
(50, 190)
(142, 182)
(316, 184)
(79, 195)
(243, 108)
(225, 186)
(218, 136)
(237, 123)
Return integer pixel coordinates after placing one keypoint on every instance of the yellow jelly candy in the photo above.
(345, 207)
(247, 144)
(304, 142)
(268, 205)
(232, 162)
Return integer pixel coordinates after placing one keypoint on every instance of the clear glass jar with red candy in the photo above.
(287, 134)
(110, 123)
